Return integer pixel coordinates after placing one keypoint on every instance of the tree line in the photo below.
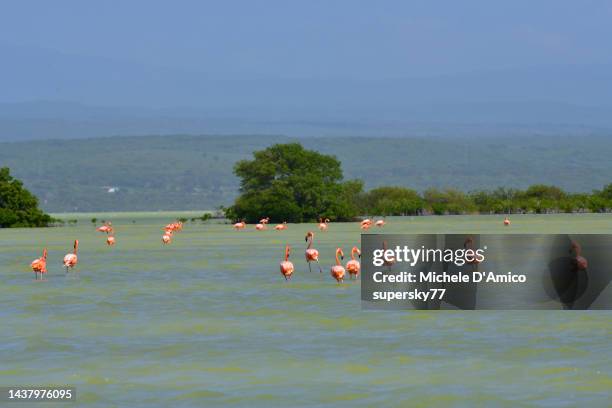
(289, 183)
(536, 199)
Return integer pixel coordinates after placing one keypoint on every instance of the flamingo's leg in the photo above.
(319, 265)
(309, 267)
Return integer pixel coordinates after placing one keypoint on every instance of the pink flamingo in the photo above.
(366, 224)
(312, 255)
(239, 225)
(387, 261)
(469, 244)
(264, 220)
(281, 227)
(110, 240)
(260, 227)
(506, 221)
(106, 228)
(380, 223)
(167, 237)
(337, 271)
(39, 266)
(286, 267)
(323, 224)
(579, 261)
(70, 260)
(353, 266)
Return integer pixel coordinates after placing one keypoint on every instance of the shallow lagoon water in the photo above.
(209, 321)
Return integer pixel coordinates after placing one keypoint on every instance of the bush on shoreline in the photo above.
(19, 207)
(537, 199)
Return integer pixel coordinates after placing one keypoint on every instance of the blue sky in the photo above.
(317, 39)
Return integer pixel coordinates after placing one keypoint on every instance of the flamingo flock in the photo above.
(108, 229)
(311, 254)
(169, 231)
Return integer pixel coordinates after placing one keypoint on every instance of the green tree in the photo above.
(392, 201)
(18, 207)
(449, 201)
(289, 183)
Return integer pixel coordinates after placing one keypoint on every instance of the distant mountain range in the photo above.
(61, 120)
(47, 94)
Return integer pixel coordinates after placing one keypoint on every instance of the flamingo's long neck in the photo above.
(353, 253)
(309, 241)
(286, 254)
(337, 259)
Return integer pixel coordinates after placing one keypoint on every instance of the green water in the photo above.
(209, 321)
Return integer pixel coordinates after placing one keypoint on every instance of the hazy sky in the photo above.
(318, 39)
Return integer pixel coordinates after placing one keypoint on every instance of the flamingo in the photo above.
(167, 237)
(286, 267)
(312, 255)
(110, 240)
(239, 225)
(337, 271)
(39, 266)
(264, 220)
(387, 261)
(366, 224)
(579, 261)
(70, 260)
(469, 244)
(323, 224)
(106, 228)
(506, 221)
(380, 223)
(353, 266)
(260, 227)
(281, 227)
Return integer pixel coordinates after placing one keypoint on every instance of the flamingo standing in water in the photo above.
(366, 224)
(260, 227)
(337, 271)
(39, 266)
(239, 225)
(579, 261)
(312, 255)
(106, 228)
(110, 240)
(264, 220)
(387, 261)
(167, 237)
(323, 224)
(286, 267)
(506, 221)
(70, 260)
(380, 223)
(281, 227)
(353, 266)
(469, 244)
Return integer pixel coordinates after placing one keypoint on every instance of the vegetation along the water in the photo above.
(289, 183)
(19, 207)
